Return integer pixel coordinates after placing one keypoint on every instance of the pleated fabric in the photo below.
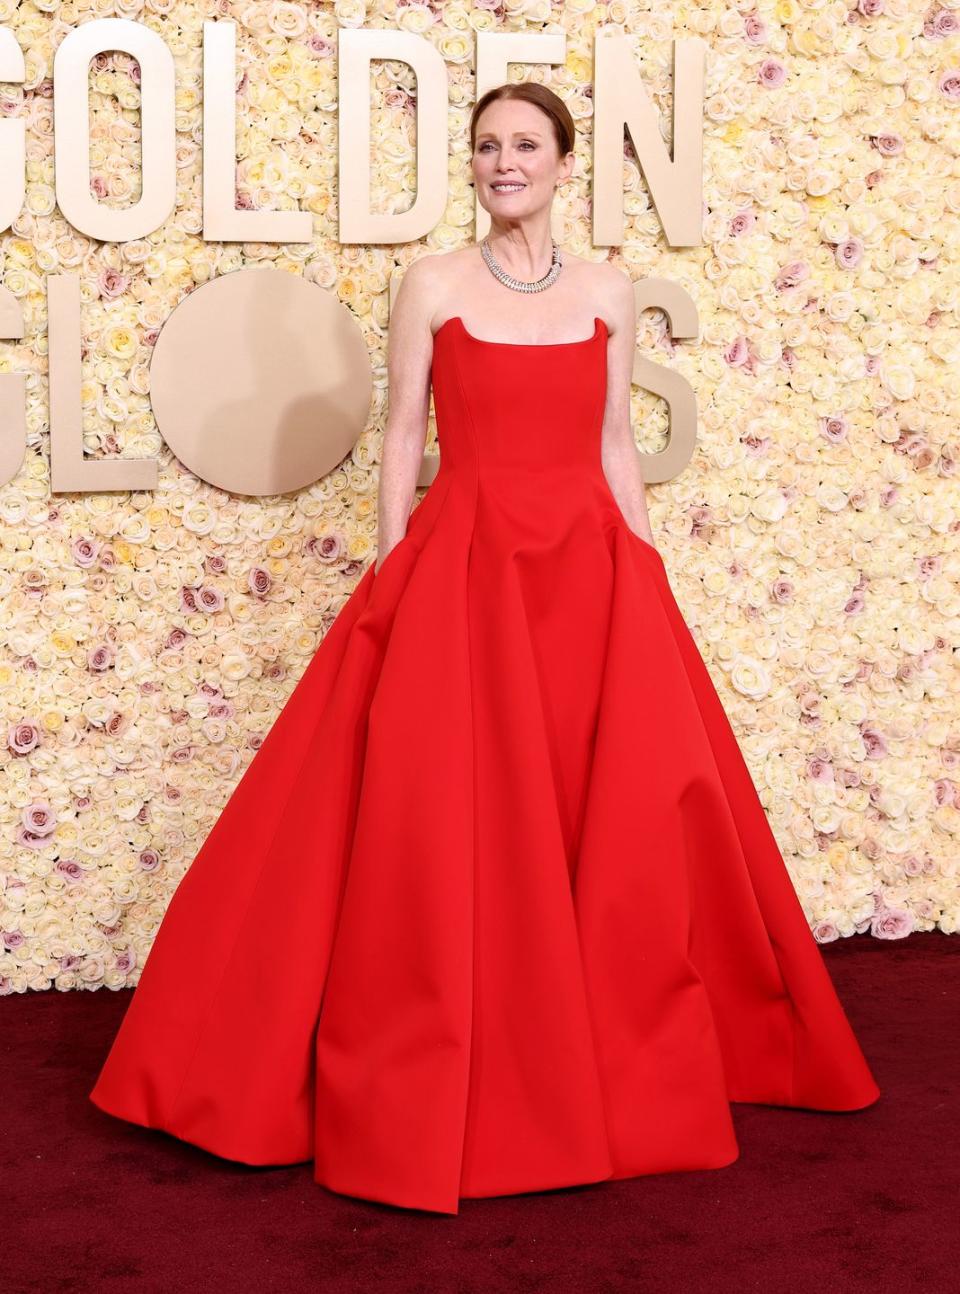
(495, 907)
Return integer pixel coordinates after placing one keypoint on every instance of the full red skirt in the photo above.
(495, 907)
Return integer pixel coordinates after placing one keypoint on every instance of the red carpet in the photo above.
(816, 1202)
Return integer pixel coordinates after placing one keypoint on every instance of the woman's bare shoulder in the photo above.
(599, 274)
(435, 278)
(443, 265)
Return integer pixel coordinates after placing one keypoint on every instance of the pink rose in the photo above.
(820, 770)
(328, 548)
(100, 658)
(737, 353)
(84, 551)
(771, 74)
(791, 275)
(833, 428)
(755, 29)
(945, 792)
(888, 144)
(111, 283)
(874, 743)
(34, 582)
(259, 581)
(210, 600)
(39, 818)
(825, 932)
(849, 253)
(945, 23)
(891, 923)
(757, 445)
(23, 736)
(701, 521)
(912, 443)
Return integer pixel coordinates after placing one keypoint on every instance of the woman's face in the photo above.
(516, 147)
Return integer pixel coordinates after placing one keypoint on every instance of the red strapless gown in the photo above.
(495, 907)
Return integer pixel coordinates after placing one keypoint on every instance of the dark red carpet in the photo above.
(816, 1202)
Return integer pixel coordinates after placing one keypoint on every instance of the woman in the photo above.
(528, 925)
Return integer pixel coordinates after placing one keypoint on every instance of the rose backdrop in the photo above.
(151, 639)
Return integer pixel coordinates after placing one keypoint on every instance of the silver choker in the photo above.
(519, 285)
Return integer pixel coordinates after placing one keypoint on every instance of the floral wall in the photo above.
(151, 639)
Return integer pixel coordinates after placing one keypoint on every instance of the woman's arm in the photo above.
(409, 359)
(619, 455)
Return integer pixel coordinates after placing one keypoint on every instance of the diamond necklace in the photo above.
(519, 285)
